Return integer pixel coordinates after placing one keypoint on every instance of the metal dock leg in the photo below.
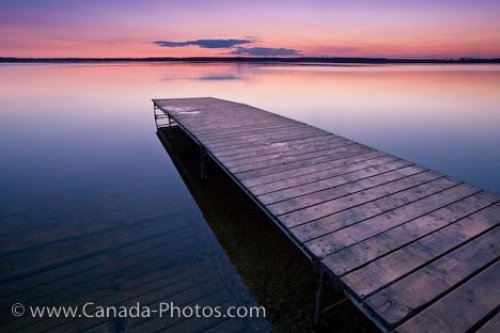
(154, 113)
(203, 171)
(318, 309)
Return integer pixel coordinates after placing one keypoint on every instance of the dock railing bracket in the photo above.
(161, 116)
(154, 113)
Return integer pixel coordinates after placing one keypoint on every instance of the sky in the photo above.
(184, 28)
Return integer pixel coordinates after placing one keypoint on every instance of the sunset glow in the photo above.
(405, 29)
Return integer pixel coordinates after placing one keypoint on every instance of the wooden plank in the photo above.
(255, 165)
(172, 103)
(311, 178)
(221, 113)
(376, 225)
(349, 201)
(383, 227)
(393, 266)
(366, 251)
(241, 131)
(277, 146)
(462, 308)
(282, 148)
(259, 136)
(235, 129)
(199, 118)
(351, 150)
(310, 169)
(492, 325)
(331, 193)
(284, 157)
(247, 134)
(214, 107)
(415, 291)
(282, 133)
(283, 154)
(211, 128)
(203, 119)
(362, 212)
(210, 123)
(331, 182)
(263, 142)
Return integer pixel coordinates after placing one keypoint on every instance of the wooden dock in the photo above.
(413, 249)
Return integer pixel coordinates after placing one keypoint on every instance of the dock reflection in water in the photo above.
(278, 275)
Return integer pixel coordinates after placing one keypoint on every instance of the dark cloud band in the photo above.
(205, 43)
(234, 46)
(265, 51)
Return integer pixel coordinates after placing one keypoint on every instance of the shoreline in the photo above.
(310, 60)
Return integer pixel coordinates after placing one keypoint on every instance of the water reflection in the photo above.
(209, 72)
(91, 209)
(82, 175)
(219, 77)
(276, 272)
(445, 117)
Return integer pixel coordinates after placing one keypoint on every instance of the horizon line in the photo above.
(315, 59)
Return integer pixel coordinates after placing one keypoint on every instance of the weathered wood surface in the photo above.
(416, 250)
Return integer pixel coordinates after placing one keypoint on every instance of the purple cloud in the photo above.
(265, 51)
(205, 43)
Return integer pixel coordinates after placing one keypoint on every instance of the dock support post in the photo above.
(203, 172)
(170, 134)
(318, 308)
(154, 112)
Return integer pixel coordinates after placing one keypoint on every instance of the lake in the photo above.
(90, 200)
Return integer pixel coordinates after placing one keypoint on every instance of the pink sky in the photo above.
(127, 28)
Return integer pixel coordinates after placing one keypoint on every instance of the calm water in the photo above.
(79, 151)
(71, 127)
